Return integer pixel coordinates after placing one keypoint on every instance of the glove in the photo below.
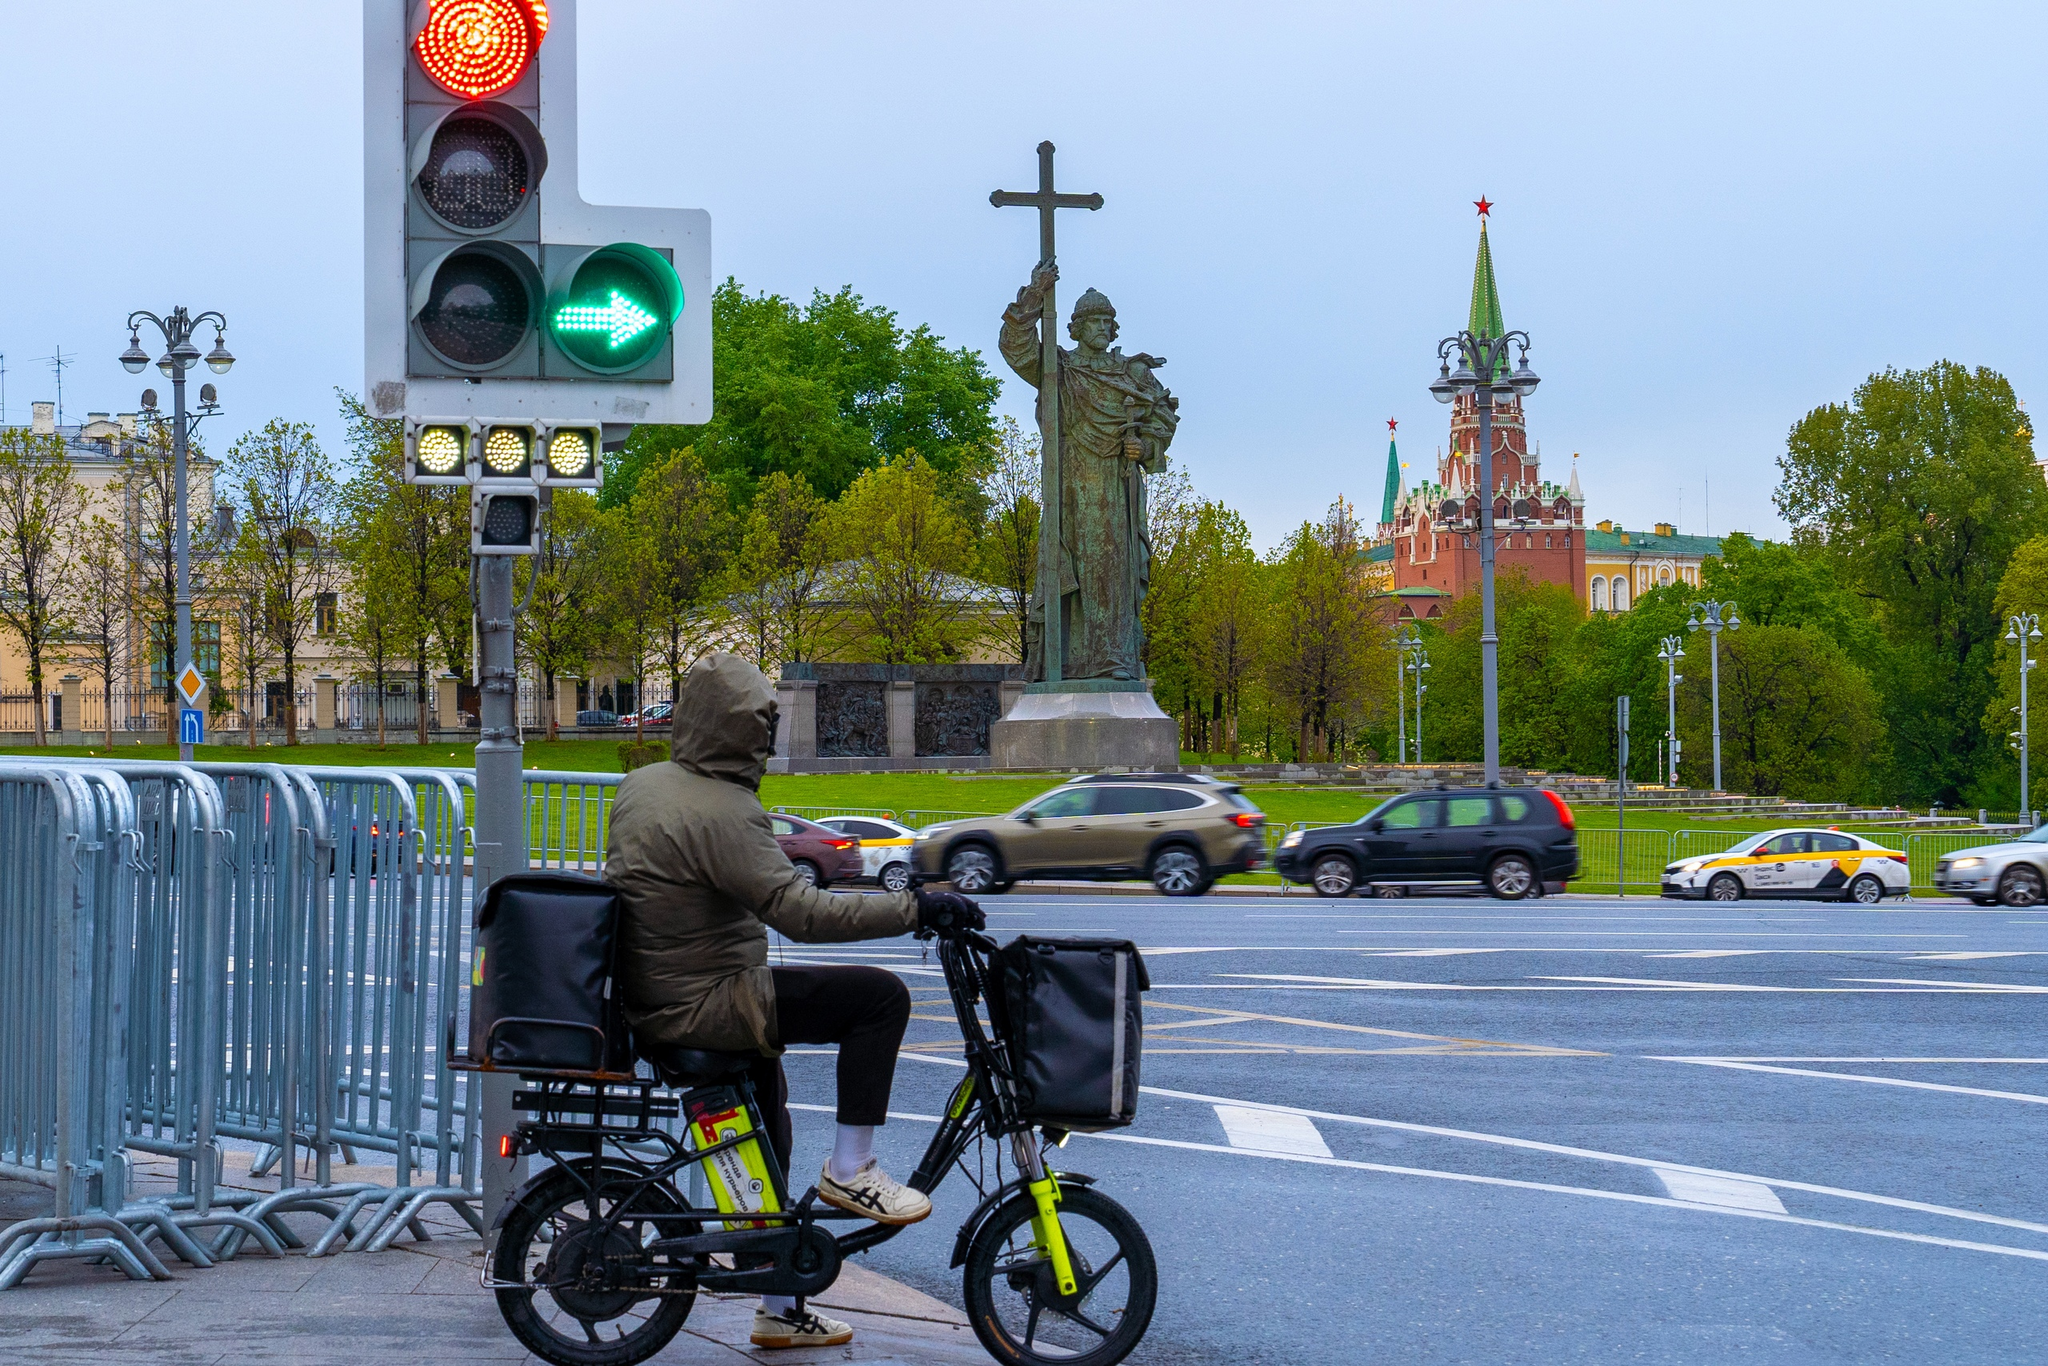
(947, 913)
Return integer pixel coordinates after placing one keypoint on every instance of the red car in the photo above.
(822, 856)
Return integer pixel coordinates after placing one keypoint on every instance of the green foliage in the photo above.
(1539, 676)
(2024, 589)
(1919, 490)
(1798, 717)
(824, 391)
(902, 550)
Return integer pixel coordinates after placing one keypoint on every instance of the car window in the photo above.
(870, 830)
(1139, 801)
(1513, 807)
(781, 826)
(1794, 843)
(1833, 844)
(1418, 815)
(1068, 801)
(1469, 811)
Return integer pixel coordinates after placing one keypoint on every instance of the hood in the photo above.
(2031, 848)
(724, 721)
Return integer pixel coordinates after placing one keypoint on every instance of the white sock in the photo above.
(783, 1305)
(851, 1150)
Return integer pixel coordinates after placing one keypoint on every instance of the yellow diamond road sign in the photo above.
(191, 683)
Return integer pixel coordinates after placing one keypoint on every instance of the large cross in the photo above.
(1052, 633)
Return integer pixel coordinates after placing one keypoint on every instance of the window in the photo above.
(781, 826)
(1466, 811)
(1664, 576)
(1833, 844)
(205, 652)
(867, 830)
(1140, 801)
(1794, 843)
(1416, 815)
(1514, 807)
(1599, 594)
(1620, 593)
(326, 613)
(1069, 801)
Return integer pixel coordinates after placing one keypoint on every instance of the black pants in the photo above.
(864, 1011)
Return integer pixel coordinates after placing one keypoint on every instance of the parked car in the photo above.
(884, 848)
(1812, 865)
(821, 854)
(656, 715)
(2015, 872)
(1511, 842)
(596, 718)
(1180, 831)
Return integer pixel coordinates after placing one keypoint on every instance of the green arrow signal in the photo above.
(622, 319)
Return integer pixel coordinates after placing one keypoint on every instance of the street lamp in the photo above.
(1481, 363)
(1407, 640)
(179, 356)
(1713, 618)
(1418, 666)
(2023, 627)
(1671, 654)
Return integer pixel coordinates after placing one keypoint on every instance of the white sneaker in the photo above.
(799, 1328)
(874, 1193)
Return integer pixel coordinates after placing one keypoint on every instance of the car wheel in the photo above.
(1866, 890)
(1511, 878)
(971, 868)
(1333, 875)
(2021, 885)
(1177, 871)
(896, 877)
(807, 873)
(1724, 887)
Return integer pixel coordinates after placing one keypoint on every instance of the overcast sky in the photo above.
(1711, 218)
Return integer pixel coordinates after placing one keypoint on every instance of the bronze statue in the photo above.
(1110, 420)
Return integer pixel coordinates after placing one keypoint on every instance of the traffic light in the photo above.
(502, 522)
(438, 450)
(570, 455)
(492, 291)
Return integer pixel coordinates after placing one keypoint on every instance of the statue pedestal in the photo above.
(1085, 725)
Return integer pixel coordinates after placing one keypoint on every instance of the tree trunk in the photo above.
(291, 697)
(381, 741)
(547, 699)
(420, 684)
(35, 688)
(107, 694)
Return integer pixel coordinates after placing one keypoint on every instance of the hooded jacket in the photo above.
(701, 877)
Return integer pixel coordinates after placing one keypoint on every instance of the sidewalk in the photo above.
(418, 1302)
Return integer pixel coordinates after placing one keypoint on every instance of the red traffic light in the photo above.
(476, 48)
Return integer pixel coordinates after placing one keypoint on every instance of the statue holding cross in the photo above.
(1104, 422)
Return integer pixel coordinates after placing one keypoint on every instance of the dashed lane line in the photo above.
(2026, 1096)
(1720, 1190)
(1864, 1060)
(1710, 953)
(1269, 1131)
(1962, 955)
(2017, 988)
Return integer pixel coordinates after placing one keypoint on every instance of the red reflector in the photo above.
(1564, 813)
(842, 844)
(505, 1145)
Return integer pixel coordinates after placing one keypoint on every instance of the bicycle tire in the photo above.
(996, 1287)
(547, 1340)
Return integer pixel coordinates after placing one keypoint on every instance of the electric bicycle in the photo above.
(600, 1255)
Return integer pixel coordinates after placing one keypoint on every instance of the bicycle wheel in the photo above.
(587, 1292)
(1015, 1304)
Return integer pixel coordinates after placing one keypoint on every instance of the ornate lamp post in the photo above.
(1417, 666)
(2024, 626)
(1482, 361)
(1671, 654)
(1713, 618)
(1407, 641)
(179, 356)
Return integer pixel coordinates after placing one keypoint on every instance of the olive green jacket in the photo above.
(701, 877)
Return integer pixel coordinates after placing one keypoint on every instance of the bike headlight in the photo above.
(1967, 863)
(1290, 839)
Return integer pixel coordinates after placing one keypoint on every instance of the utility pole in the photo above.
(1670, 653)
(1713, 618)
(2024, 626)
(1621, 796)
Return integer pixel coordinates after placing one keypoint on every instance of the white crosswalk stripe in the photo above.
(1271, 1131)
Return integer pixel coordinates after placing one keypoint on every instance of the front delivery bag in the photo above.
(1074, 1023)
(541, 990)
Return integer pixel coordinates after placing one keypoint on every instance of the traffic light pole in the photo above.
(500, 833)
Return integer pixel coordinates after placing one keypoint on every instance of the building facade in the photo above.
(1621, 565)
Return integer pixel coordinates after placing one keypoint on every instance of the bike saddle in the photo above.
(681, 1067)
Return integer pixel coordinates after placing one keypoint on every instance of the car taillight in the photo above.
(1564, 813)
(1245, 820)
(844, 844)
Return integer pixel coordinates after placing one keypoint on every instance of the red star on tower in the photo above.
(1483, 205)
(1391, 424)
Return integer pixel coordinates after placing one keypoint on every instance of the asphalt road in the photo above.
(1565, 1130)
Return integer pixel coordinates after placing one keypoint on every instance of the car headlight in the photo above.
(1290, 839)
(1967, 863)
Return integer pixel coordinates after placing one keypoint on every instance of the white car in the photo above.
(1813, 865)
(2015, 872)
(884, 848)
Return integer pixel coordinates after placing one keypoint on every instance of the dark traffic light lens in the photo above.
(508, 521)
(478, 309)
(477, 174)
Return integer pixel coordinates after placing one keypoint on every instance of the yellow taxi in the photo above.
(884, 848)
(1810, 865)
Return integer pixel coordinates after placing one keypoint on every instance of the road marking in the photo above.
(1957, 956)
(1266, 1131)
(1671, 983)
(1720, 1191)
(2027, 1096)
(1219, 1018)
(1803, 1059)
(1278, 982)
(2017, 988)
(1424, 953)
(1468, 1045)
(1664, 934)
(1709, 953)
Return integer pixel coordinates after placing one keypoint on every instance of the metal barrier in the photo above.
(567, 817)
(1924, 851)
(1603, 858)
(917, 820)
(819, 813)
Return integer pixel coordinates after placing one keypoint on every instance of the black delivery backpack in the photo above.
(541, 988)
(1075, 1025)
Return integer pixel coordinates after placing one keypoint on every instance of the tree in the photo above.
(98, 610)
(1229, 612)
(1799, 718)
(825, 391)
(559, 624)
(248, 650)
(2023, 589)
(39, 504)
(1009, 537)
(1166, 611)
(1541, 678)
(778, 582)
(683, 528)
(147, 489)
(1328, 641)
(287, 489)
(1920, 489)
(903, 551)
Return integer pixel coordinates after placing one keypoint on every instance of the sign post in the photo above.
(192, 720)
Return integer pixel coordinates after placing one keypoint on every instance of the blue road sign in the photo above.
(191, 726)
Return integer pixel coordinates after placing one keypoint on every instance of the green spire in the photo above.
(1486, 320)
(1393, 484)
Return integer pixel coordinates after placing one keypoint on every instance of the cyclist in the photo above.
(701, 880)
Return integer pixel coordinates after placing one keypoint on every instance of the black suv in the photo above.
(1511, 840)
